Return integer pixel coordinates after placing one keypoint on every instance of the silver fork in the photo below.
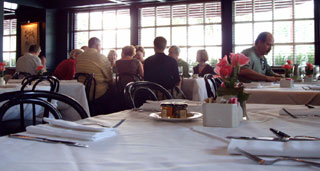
(270, 162)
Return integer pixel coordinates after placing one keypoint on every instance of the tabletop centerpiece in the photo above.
(288, 81)
(309, 73)
(2, 70)
(39, 70)
(230, 93)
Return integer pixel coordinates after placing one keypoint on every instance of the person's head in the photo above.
(112, 56)
(128, 51)
(174, 51)
(202, 55)
(84, 48)
(140, 53)
(95, 43)
(263, 43)
(75, 53)
(160, 44)
(35, 49)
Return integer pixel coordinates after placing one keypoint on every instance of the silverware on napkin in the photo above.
(119, 123)
(47, 140)
(290, 114)
(299, 138)
(270, 162)
(285, 136)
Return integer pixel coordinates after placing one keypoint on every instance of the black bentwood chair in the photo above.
(35, 80)
(11, 99)
(88, 80)
(140, 91)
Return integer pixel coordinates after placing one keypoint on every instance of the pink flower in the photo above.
(287, 66)
(39, 68)
(310, 66)
(238, 59)
(289, 62)
(223, 62)
(2, 68)
(224, 71)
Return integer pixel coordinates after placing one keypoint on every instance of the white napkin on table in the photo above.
(301, 112)
(67, 129)
(308, 149)
(314, 87)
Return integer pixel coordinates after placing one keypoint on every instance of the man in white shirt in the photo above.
(30, 61)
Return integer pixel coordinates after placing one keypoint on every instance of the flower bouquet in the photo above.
(2, 69)
(229, 74)
(288, 81)
(288, 68)
(309, 73)
(39, 70)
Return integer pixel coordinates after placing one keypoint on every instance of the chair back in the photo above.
(140, 91)
(36, 79)
(88, 80)
(20, 75)
(216, 82)
(33, 97)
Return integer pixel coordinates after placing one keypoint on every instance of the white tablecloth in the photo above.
(194, 89)
(273, 94)
(71, 88)
(143, 143)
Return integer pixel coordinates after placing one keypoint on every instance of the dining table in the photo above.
(272, 93)
(72, 88)
(143, 142)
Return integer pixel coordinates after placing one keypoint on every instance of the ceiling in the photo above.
(62, 4)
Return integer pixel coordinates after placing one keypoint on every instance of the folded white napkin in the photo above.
(314, 87)
(309, 149)
(67, 129)
(301, 112)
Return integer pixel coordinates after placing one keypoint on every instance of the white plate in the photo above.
(194, 115)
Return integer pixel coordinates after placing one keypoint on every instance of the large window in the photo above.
(290, 21)
(9, 41)
(190, 26)
(112, 27)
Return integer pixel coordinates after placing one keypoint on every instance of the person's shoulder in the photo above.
(181, 61)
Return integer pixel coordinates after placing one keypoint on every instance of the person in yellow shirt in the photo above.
(91, 61)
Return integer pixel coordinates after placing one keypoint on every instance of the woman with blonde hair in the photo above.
(202, 68)
(140, 53)
(112, 57)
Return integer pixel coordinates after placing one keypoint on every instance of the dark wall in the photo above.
(29, 14)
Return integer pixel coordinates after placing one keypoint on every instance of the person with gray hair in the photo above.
(29, 62)
(160, 68)
(258, 69)
(93, 62)
(67, 68)
(174, 51)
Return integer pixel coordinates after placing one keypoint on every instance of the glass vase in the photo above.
(244, 110)
(2, 81)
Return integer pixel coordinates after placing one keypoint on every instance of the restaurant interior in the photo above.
(257, 107)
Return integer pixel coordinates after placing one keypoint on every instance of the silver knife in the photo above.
(47, 140)
(275, 138)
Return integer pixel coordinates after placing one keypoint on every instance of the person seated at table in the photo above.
(84, 48)
(160, 68)
(67, 68)
(174, 51)
(29, 62)
(93, 62)
(112, 57)
(202, 68)
(258, 69)
(128, 68)
(140, 53)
